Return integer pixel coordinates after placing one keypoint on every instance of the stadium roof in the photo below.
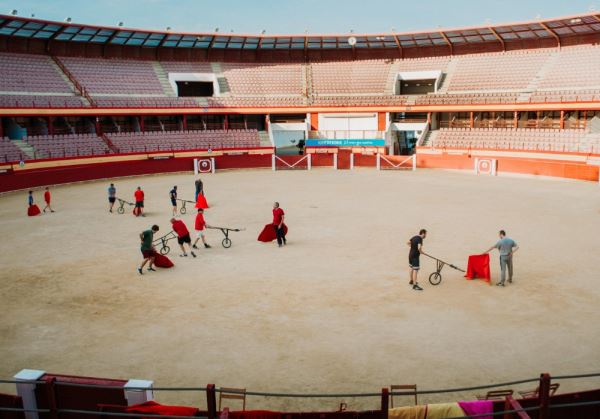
(557, 28)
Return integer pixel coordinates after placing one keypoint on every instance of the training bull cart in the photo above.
(182, 209)
(122, 202)
(226, 243)
(436, 277)
(163, 242)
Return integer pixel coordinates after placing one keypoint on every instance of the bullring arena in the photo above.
(363, 140)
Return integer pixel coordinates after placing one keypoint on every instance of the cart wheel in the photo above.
(182, 210)
(121, 210)
(435, 278)
(226, 243)
(165, 250)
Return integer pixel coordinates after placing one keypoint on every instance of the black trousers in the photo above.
(280, 234)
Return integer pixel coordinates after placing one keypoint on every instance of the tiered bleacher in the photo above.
(498, 71)
(572, 141)
(571, 74)
(70, 145)
(263, 79)
(113, 76)
(9, 152)
(29, 80)
(131, 142)
(349, 77)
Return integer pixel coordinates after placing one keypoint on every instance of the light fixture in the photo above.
(14, 12)
(352, 41)
(216, 29)
(33, 15)
(168, 28)
(120, 24)
(263, 32)
(575, 21)
(68, 19)
(351, 30)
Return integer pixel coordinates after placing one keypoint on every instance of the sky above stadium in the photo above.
(288, 16)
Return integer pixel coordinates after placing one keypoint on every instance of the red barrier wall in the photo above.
(56, 175)
(24, 179)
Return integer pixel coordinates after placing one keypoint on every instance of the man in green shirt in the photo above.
(147, 248)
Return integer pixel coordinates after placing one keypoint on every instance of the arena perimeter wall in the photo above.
(58, 171)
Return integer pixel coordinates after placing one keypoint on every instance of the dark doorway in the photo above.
(195, 88)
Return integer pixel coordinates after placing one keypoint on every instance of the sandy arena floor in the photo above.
(332, 311)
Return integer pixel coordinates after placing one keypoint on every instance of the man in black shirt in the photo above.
(416, 247)
(173, 196)
(199, 188)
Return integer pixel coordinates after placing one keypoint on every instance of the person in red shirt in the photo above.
(278, 217)
(183, 236)
(47, 199)
(200, 227)
(139, 201)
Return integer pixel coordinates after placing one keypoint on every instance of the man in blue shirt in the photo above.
(507, 248)
(112, 196)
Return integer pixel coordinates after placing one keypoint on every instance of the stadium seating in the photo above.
(498, 71)
(571, 141)
(71, 145)
(347, 77)
(575, 67)
(31, 73)
(263, 79)
(132, 142)
(571, 74)
(112, 76)
(9, 152)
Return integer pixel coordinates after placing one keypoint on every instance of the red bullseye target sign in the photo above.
(206, 165)
(486, 166)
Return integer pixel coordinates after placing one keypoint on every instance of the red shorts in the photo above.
(148, 253)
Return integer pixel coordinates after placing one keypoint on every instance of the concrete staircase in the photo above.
(223, 83)
(63, 76)
(163, 78)
(535, 82)
(448, 74)
(265, 141)
(430, 139)
(25, 148)
(391, 79)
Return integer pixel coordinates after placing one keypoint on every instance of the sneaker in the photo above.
(140, 271)
(500, 284)
(52, 211)
(183, 255)
(193, 254)
(510, 281)
(284, 242)
(206, 246)
(195, 247)
(152, 269)
(411, 283)
(416, 287)
(109, 210)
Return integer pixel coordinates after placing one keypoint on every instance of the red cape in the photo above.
(478, 266)
(162, 261)
(268, 233)
(159, 409)
(33, 210)
(201, 202)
